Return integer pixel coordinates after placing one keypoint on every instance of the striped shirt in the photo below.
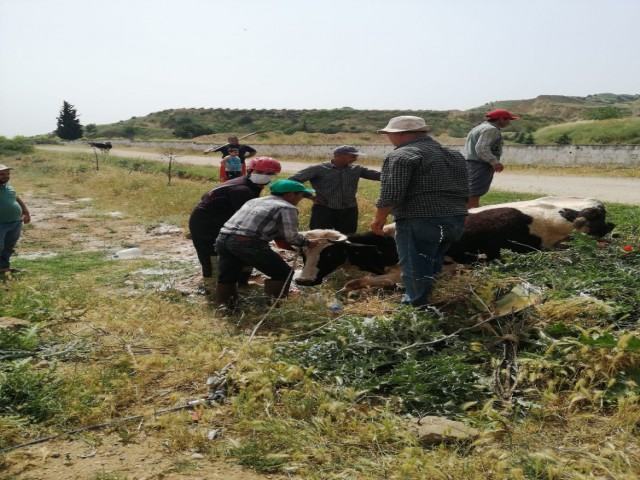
(422, 178)
(338, 186)
(266, 218)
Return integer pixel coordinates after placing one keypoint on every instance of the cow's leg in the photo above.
(389, 279)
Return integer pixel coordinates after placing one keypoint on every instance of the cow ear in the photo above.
(569, 214)
(340, 239)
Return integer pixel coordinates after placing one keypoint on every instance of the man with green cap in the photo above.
(244, 240)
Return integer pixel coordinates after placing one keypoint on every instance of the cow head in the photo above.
(365, 251)
(323, 258)
(591, 221)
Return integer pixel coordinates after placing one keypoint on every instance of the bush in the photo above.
(29, 393)
(17, 145)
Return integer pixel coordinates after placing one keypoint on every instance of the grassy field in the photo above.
(315, 393)
(598, 132)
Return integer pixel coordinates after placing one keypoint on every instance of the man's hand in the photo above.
(377, 224)
(318, 199)
(379, 219)
(498, 167)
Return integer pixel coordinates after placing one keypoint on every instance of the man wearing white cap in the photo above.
(13, 213)
(425, 186)
(336, 183)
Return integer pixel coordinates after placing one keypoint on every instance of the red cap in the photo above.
(496, 114)
(264, 164)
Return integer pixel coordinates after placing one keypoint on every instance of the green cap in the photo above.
(285, 186)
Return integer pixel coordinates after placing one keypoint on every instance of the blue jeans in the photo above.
(236, 252)
(422, 244)
(9, 235)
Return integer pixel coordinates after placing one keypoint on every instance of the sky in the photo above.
(117, 59)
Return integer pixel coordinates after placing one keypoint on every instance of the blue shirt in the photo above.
(233, 164)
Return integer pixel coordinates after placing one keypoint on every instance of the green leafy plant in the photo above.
(388, 355)
(30, 393)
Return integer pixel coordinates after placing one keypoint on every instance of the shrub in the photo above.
(29, 393)
(16, 145)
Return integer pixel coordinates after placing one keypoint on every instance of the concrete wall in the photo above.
(560, 155)
(568, 155)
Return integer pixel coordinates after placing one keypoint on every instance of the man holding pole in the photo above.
(244, 152)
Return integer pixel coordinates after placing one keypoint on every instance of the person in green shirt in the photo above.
(13, 213)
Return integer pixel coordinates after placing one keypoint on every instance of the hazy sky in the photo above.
(117, 59)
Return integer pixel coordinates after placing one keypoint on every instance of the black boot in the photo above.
(276, 288)
(226, 294)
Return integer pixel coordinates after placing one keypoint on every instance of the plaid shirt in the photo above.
(266, 218)
(338, 186)
(422, 178)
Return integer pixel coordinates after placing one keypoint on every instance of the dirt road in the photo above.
(608, 189)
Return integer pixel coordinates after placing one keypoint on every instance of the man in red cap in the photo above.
(482, 150)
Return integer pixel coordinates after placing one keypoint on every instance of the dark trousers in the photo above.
(204, 231)
(236, 252)
(345, 220)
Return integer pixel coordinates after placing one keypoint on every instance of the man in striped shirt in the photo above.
(336, 183)
(425, 186)
(244, 240)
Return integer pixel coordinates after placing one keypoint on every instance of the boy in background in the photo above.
(232, 164)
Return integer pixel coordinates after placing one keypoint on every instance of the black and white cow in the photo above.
(102, 146)
(367, 252)
(541, 224)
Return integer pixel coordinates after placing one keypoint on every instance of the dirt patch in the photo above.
(57, 224)
(107, 454)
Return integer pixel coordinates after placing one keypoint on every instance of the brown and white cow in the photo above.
(541, 224)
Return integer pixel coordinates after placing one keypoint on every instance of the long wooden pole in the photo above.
(209, 150)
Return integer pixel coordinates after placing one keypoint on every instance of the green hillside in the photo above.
(605, 132)
(202, 123)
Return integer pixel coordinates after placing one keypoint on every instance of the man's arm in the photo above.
(249, 152)
(370, 174)
(304, 175)
(380, 218)
(483, 146)
(26, 217)
(289, 228)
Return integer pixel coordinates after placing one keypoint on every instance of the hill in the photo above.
(568, 109)
(201, 123)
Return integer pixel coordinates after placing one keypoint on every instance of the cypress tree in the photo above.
(69, 127)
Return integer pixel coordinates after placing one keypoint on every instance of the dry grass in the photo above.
(148, 350)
